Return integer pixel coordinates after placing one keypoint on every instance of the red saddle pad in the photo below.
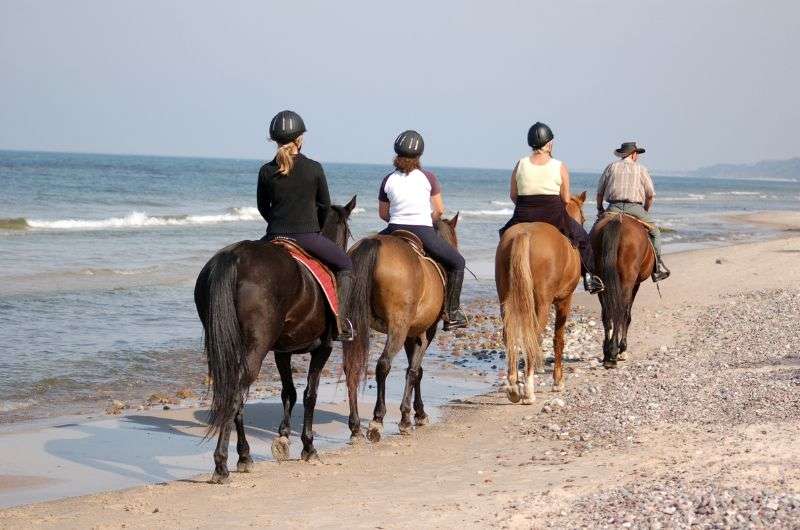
(320, 272)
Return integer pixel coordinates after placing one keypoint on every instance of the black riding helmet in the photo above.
(409, 144)
(286, 127)
(538, 135)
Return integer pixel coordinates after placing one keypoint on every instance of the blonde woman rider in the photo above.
(293, 198)
(540, 192)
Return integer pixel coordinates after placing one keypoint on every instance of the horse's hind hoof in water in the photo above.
(244, 465)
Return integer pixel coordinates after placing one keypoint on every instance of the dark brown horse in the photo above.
(535, 267)
(624, 258)
(401, 294)
(252, 298)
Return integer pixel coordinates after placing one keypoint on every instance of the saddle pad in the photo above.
(322, 274)
(608, 216)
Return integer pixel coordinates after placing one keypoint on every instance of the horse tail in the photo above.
(224, 346)
(355, 354)
(522, 334)
(612, 296)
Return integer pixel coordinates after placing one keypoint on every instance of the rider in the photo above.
(293, 199)
(410, 198)
(627, 187)
(540, 192)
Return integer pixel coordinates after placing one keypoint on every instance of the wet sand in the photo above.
(651, 444)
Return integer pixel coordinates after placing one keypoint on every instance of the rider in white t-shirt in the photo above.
(410, 198)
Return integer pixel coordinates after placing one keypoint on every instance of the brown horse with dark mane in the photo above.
(400, 293)
(625, 258)
(253, 298)
(536, 266)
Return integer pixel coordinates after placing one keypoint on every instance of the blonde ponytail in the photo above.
(285, 155)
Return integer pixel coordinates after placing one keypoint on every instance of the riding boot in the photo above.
(592, 284)
(345, 331)
(660, 271)
(454, 317)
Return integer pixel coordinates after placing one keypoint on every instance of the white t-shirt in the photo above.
(409, 196)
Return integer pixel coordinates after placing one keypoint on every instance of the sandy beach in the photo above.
(698, 427)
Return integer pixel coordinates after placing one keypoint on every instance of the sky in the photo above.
(695, 82)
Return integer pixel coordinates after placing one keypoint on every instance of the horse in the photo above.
(397, 292)
(253, 297)
(625, 258)
(536, 266)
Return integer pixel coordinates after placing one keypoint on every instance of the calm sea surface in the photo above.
(100, 252)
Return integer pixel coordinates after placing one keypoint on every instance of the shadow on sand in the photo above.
(157, 448)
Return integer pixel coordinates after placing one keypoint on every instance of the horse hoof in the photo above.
(280, 448)
(609, 365)
(528, 400)
(558, 388)
(419, 421)
(219, 478)
(623, 356)
(356, 439)
(374, 431)
(513, 395)
(406, 428)
(244, 465)
(312, 457)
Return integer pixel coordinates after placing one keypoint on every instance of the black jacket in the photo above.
(295, 203)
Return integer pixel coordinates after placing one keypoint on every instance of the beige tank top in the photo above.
(533, 179)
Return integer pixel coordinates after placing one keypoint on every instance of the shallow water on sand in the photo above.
(100, 254)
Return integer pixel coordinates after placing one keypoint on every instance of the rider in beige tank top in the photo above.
(536, 179)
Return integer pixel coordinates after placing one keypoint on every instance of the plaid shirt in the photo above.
(626, 180)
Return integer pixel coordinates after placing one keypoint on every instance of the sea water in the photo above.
(100, 253)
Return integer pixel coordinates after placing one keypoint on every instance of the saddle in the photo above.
(416, 245)
(606, 218)
(319, 271)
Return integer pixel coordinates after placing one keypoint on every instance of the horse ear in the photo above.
(582, 197)
(454, 221)
(350, 205)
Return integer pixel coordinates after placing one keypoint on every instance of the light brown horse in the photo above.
(624, 259)
(401, 294)
(536, 266)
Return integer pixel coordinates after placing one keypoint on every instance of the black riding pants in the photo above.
(435, 246)
(319, 247)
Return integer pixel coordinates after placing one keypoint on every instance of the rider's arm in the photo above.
(383, 210)
(565, 193)
(513, 193)
(649, 190)
(601, 188)
(437, 206)
(262, 197)
(323, 198)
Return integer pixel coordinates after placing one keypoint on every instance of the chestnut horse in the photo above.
(536, 266)
(252, 298)
(401, 294)
(624, 258)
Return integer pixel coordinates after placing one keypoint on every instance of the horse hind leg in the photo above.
(318, 359)
(529, 388)
(245, 463)
(562, 314)
(420, 417)
(415, 351)
(394, 341)
(280, 445)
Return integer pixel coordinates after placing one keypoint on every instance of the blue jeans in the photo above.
(435, 246)
(319, 247)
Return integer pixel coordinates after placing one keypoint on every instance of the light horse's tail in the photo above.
(355, 354)
(520, 320)
(215, 297)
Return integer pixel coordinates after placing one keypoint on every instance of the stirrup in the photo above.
(657, 276)
(458, 320)
(593, 285)
(347, 335)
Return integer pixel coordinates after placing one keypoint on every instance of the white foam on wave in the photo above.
(358, 210)
(484, 213)
(689, 197)
(142, 219)
(502, 203)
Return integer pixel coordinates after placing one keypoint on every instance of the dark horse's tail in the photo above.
(215, 297)
(612, 296)
(356, 353)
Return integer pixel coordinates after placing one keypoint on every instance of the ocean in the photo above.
(100, 254)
